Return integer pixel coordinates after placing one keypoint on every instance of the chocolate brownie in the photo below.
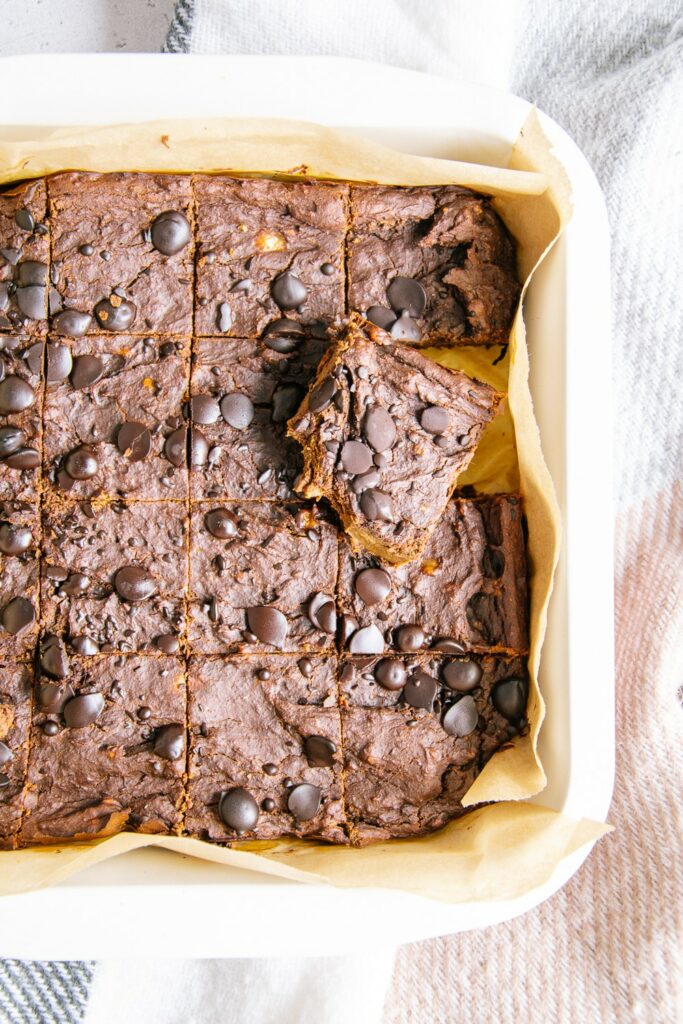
(468, 587)
(268, 251)
(431, 265)
(21, 396)
(24, 258)
(115, 418)
(122, 253)
(19, 546)
(15, 718)
(243, 393)
(262, 763)
(261, 576)
(114, 575)
(385, 434)
(107, 749)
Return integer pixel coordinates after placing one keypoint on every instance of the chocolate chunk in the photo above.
(434, 419)
(204, 409)
(134, 584)
(84, 645)
(304, 801)
(268, 625)
(134, 441)
(420, 690)
(288, 291)
(87, 370)
(11, 439)
(238, 810)
(237, 410)
(54, 660)
(462, 676)
(405, 295)
(379, 429)
(15, 395)
(167, 643)
(171, 232)
(51, 697)
(17, 615)
(73, 323)
(32, 301)
(405, 329)
(381, 317)
(319, 751)
(115, 314)
(59, 362)
(410, 638)
(220, 523)
(372, 585)
(175, 447)
(24, 219)
(81, 463)
(461, 718)
(169, 741)
(368, 640)
(24, 458)
(224, 317)
(199, 448)
(14, 540)
(375, 504)
(356, 457)
(509, 698)
(83, 710)
(391, 674)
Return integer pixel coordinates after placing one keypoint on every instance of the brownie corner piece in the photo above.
(24, 258)
(385, 433)
(15, 719)
(262, 765)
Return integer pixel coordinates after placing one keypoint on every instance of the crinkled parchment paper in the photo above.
(507, 848)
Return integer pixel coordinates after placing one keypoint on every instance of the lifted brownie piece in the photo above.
(15, 719)
(19, 545)
(107, 750)
(21, 384)
(469, 587)
(262, 576)
(385, 433)
(263, 763)
(269, 251)
(115, 418)
(114, 575)
(24, 258)
(123, 250)
(431, 265)
(243, 393)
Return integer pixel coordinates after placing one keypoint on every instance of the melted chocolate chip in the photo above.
(220, 523)
(238, 810)
(87, 370)
(462, 676)
(167, 643)
(32, 301)
(72, 322)
(170, 232)
(24, 458)
(268, 625)
(16, 395)
(368, 640)
(509, 698)
(285, 402)
(379, 429)
(322, 612)
(380, 316)
(134, 441)
(199, 448)
(59, 362)
(84, 645)
(288, 291)
(11, 440)
(420, 690)
(14, 540)
(405, 295)
(115, 314)
(54, 660)
(224, 317)
(376, 505)
(169, 742)
(434, 419)
(304, 801)
(237, 410)
(410, 638)
(322, 396)
(24, 219)
(51, 697)
(204, 409)
(175, 447)
(81, 463)
(83, 710)
(133, 584)
(6, 755)
(319, 751)
(372, 585)
(391, 674)
(405, 329)
(461, 719)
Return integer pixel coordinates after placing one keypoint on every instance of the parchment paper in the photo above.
(504, 849)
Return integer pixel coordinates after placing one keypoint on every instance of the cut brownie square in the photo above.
(19, 546)
(262, 576)
(243, 394)
(114, 575)
(21, 387)
(269, 251)
(385, 434)
(123, 250)
(431, 265)
(15, 719)
(115, 419)
(262, 763)
(24, 258)
(107, 750)
(469, 587)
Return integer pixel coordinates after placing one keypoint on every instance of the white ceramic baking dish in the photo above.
(236, 913)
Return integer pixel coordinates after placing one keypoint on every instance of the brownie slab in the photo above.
(24, 258)
(431, 265)
(385, 434)
(19, 580)
(268, 250)
(21, 387)
(116, 424)
(244, 392)
(469, 586)
(114, 575)
(254, 571)
(277, 761)
(107, 750)
(15, 719)
(122, 248)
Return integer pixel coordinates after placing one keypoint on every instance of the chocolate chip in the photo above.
(356, 457)
(283, 327)
(364, 481)
(372, 585)
(74, 585)
(434, 419)
(327, 269)
(170, 232)
(305, 666)
(11, 439)
(238, 810)
(4, 781)
(224, 317)
(134, 441)
(32, 272)
(10, 255)
(34, 358)
(245, 285)
(509, 698)
(448, 645)
(379, 429)
(24, 219)
(376, 505)
(410, 638)
(24, 458)
(115, 313)
(14, 540)
(405, 295)
(134, 584)
(86, 249)
(6, 754)
(144, 713)
(204, 409)
(167, 643)
(220, 523)
(59, 362)
(270, 769)
(32, 301)
(175, 447)
(268, 804)
(87, 370)
(237, 410)
(84, 645)
(322, 612)
(368, 640)
(405, 329)
(322, 396)
(17, 615)
(285, 402)
(73, 323)
(268, 625)
(348, 626)
(461, 718)
(81, 463)
(199, 448)
(54, 660)
(16, 395)
(51, 697)
(304, 801)
(462, 676)
(169, 741)
(50, 728)
(319, 751)
(288, 291)
(391, 674)
(380, 316)
(83, 710)
(420, 690)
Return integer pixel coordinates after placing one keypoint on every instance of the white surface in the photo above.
(82, 26)
(567, 319)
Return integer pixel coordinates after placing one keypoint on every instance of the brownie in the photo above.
(122, 253)
(24, 258)
(19, 579)
(15, 719)
(115, 418)
(114, 575)
(244, 391)
(431, 265)
(385, 432)
(268, 251)
(21, 396)
(262, 763)
(107, 749)
(468, 587)
(262, 576)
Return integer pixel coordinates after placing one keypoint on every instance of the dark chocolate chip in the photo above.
(167, 643)
(54, 660)
(461, 718)
(237, 410)
(322, 612)
(32, 272)
(83, 710)
(17, 615)
(87, 370)
(406, 295)
(270, 768)
(175, 447)
(410, 638)
(405, 329)
(509, 698)
(224, 317)
(24, 219)
(115, 313)
(15, 395)
(391, 674)
(87, 249)
(376, 505)
(144, 713)
(199, 448)
(51, 697)
(245, 285)
(50, 728)
(372, 585)
(220, 523)
(32, 301)
(268, 625)
(268, 804)
(283, 327)
(448, 645)
(356, 457)
(348, 626)
(74, 585)
(364, 481)
(285, 402)
(34, 358)
(169, 742)
(322, 396)
(420, 690)
(462, 676)
(368, 640)
(134, 584)
(59, 362)
(73, 323)
(204, 409)
(134, 441)
(380, 316)
(14, 540)
(81, 463)
(238, 810)
(10, 255)
(327, 269)
(24, 458)
(288, 291)
(304, 801)
(283, 345)
(379, 429)
(305, 666)
(6, 754)
(434, 419)
(319, 751)
(84, 645)
(170, 232)
(11, 440)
